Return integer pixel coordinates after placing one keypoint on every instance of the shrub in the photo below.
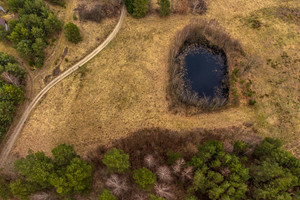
(107, 195)
(252, 102)
(240, 148)
(144, 178)
(72, 33)
(116, 161)
(137, 8)
(63, 154)
(164, 9)
(172, 157)
(58, 2)
(5, 192)
(22, 189)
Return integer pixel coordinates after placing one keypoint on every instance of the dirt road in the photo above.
(13, 137)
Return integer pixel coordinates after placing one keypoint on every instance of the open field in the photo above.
(123, 89)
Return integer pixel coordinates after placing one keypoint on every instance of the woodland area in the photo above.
(156, 169)
(12, 80)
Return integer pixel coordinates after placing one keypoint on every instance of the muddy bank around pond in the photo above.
(219, 52)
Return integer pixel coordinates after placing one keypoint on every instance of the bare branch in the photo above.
(10, 78)
(149, 161)
(163, 190)
(118, 185)
(164, 174)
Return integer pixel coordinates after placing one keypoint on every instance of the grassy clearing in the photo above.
(125, 88)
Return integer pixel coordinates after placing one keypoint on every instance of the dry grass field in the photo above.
(123, 89)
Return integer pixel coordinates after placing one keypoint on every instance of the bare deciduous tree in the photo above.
(118, 185)
(10, 78)
(164, 174)
(40, 196)
(140, 196)
(149, 161)
(163, 190)
(178, 166)
(187, 174)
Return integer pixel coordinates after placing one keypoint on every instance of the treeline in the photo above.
(12, 80)
(30, 32)
(213, 171)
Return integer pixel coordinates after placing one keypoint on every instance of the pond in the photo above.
(206, 72)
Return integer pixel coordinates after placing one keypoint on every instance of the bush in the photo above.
(144, 178)
(63, 154)
(172, 157)
(116, 161)
(137, 8)
(22, 189)
(5, 192)
(72, 33)
(107, 195)
(240, 148)
(164, 9)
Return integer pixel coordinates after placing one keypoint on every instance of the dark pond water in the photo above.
(206, 72)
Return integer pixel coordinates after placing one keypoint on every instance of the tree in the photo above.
(72, 33)
(36, 168)
(75, 178)
(144, 178)
(22, 189)
(116, 161)
(164, 9)
(163, 190)
(63, 155)
(107, 195)
(137, 8)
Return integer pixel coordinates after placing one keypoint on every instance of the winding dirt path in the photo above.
(13, 137)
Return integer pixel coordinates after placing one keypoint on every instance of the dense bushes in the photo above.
(12, 79)
(99, 10)
(72, 33)
(137, 8)
(30, 32)
(67, 173)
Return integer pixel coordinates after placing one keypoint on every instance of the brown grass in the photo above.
(125, 89)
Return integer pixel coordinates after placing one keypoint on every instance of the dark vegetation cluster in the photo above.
(98, 11)
(158, 165)
(72, 33)
(212, 37)
(66, 173)
(57, 2)
(34, 26)
(12, 80)
(140, 8)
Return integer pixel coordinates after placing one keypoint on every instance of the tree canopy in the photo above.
(30, 32)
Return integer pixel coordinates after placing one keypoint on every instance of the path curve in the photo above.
(13, 137)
